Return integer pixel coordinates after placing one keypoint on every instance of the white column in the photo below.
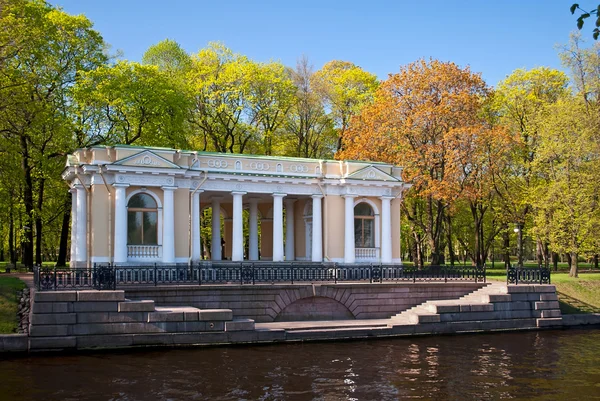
(81, 247)
(168, 225)
(349, 255)
(386, 230)
(196, 226)
(278, 227)
(290, 254)
(253, 230)
(317, 228)
(120, 237)
(216, 229)
(237, 247)
(73, 226)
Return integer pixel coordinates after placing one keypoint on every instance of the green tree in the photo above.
(345, 88)
(519, 102)
(567, 203)
(132, 103)
(43, 50)
(169, 57)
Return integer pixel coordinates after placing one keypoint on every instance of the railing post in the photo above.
(252, 267)
(292, 272)
(445, 268)
(414, 272)
(371, 273)
(55, 279)
(241, 273)
(155, 276)
(335, 272)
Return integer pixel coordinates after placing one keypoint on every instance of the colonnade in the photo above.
(79, 227)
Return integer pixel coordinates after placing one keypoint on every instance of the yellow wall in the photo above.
(182, 216)
(99, 221)
(333, 235)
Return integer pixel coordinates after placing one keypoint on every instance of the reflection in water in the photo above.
(548, 365)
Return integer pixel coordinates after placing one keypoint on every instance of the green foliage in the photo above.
(585, 15)
(9, 303)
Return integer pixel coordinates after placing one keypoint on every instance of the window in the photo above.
(142, 217)
(364, 223)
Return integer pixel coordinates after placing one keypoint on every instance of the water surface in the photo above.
(546, 365)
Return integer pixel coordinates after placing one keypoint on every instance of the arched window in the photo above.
(142, 219)
(364, 226)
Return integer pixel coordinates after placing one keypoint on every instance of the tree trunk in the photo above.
(506, 245)
(27, 243)
(38, 224)
(573, 271)
(449, 238)
(546, 255)
(539, 252)
(555, 261)
(596, 261)
(64, 233)
(11, 237)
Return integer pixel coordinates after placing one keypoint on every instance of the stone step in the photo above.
(334, 326)
(549, 322)
(136, 306)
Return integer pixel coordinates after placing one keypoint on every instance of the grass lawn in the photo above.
(22, 269)
(9, 302)
(575, 294)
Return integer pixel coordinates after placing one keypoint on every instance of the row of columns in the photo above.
(79, 227)
(237, 251)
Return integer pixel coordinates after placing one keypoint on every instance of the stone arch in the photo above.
(377, 218)
(322, 303)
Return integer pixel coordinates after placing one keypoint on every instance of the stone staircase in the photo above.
(525, 305)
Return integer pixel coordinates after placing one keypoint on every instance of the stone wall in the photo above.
(268, 303)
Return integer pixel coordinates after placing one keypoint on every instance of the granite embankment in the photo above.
(80, 320)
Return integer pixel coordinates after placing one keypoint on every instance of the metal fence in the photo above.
(527, 275)
(110, 276)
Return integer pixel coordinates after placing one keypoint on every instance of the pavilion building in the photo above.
(139, 205)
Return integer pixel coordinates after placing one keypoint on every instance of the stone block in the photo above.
(429, 318)
(43, 343)
(49, 330)
(242, 336)
(499, 297)
(100, 296)
(522, 297)
(271, 335)
(96, 306)
(240, 325)
(522, 288)
(120, 328)
(146, 305)
(165, 316)
(215, 326)
(465, 308)
(548, 297)
(105, 341)
(153, 339)
(55, 296)
(546, 305)
(53, 318)
(544, 288)
(215, 314)
(42, 307)
(112, 317)
(193, 316)
(482, 307)
(213, 338)
(444, 308)
(14, 342)
(550, 313)
(583, 319)
(549, 322)
(184, 327)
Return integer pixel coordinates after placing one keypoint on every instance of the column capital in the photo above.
(120, 185)
(385, 197)
(238, 193)
(278, 195)
(351, 196)
(79, 186)
(196, 191)
(168, 188)
(317, 196)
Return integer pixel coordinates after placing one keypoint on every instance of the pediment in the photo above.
(371, 173)
(146, 159)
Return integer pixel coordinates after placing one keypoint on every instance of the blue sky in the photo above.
(492, 37)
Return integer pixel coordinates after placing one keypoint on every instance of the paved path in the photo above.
(27, 278)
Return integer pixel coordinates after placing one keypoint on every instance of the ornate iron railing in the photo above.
(528, 275)
(109, 276)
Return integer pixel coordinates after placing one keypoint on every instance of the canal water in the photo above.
(546, 365)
